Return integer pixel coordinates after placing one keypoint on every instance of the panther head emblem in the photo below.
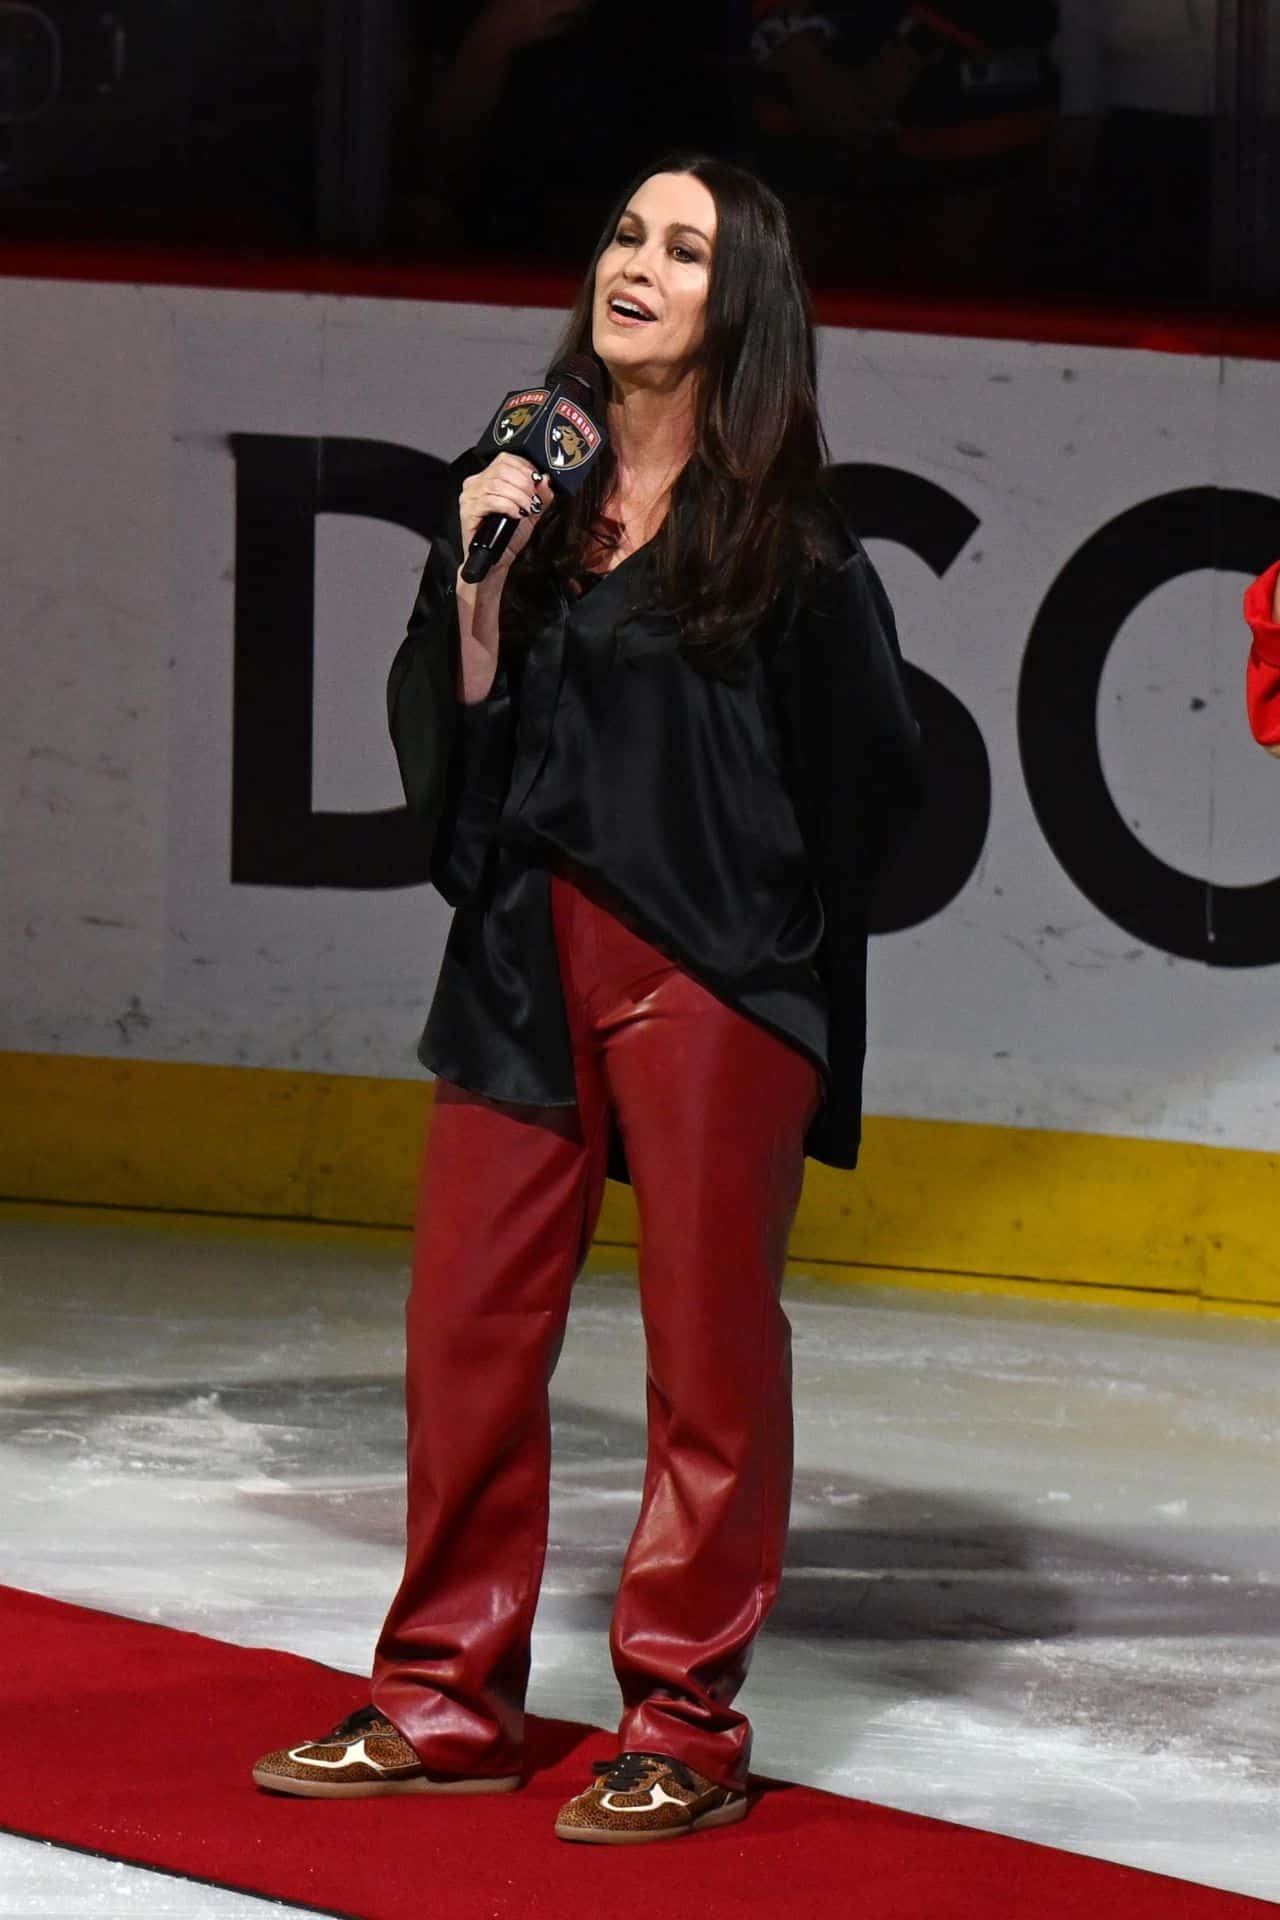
(568, 448)
(513, 421)
(572, 437)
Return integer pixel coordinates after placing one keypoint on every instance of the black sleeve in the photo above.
(454, 758)
(856, 765)
(855, 772)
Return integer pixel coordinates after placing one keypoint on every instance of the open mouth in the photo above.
(623, 307)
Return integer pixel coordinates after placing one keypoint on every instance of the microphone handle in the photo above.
(488, 542)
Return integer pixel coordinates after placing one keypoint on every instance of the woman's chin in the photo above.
(613, 347)
(627, 360)
(623, 341)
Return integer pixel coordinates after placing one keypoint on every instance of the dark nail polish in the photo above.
(538, 477)
(524, 513)
(537, 506)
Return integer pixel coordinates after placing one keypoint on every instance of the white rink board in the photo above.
(1019, 1003)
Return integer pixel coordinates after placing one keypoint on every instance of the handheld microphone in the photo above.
(558, 428)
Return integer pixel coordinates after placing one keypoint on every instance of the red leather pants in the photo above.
(713, 1110)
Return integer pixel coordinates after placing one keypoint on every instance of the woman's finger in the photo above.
(495, 499)
(506, 470)
(499, 494)
(506, 492)
(511, 464)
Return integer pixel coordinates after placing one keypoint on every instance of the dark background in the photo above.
(1095, 150)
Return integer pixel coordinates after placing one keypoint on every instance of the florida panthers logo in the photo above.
(518, 413)
(571, 437)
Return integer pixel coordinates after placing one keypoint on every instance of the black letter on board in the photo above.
(1083, 611)
(282, 483)
(946, 838)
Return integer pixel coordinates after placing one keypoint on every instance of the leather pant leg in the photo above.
(713, 1109)
(508, 1205)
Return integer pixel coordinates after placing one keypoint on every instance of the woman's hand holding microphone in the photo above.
(505, 486)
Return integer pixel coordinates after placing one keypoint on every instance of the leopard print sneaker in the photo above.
(364, 1755)
(647, 1796)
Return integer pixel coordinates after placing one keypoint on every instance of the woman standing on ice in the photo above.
(661, 752)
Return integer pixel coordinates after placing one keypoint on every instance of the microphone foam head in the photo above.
(585, 369)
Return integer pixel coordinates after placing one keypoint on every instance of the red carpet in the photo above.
(135, 1741)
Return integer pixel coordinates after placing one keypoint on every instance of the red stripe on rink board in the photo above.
(1156, 328)
(135, 1742)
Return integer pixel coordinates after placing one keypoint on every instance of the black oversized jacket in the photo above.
(740, 829)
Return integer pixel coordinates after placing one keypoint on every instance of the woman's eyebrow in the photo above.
(676, 226)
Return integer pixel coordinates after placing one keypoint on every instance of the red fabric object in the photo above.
(135, 1742)
(508, 1207)
(949, 30)
(1262, 677)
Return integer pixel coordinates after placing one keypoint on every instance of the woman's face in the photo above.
(652, 280)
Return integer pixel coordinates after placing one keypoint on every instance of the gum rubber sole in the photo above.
(726, 1816)
(379, 1789)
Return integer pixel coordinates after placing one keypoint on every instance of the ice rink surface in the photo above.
(1034, 1564)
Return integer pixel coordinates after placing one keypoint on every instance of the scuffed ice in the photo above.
(39, 1882)
(1033, 1575)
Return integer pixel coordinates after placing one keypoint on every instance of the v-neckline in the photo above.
(572, 600)
(625, 561)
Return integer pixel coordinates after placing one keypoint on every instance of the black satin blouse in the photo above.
(738, 829)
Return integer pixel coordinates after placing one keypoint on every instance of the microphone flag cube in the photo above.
(549, 426)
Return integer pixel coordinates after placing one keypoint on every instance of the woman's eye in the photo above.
(685, 253)
(624, 239)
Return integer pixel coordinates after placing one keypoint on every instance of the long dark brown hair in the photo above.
(745, 516)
